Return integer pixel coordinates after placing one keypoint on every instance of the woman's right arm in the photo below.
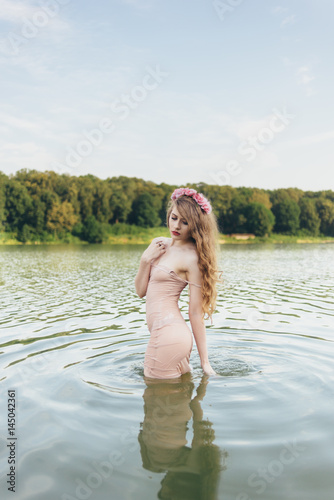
(141, 280)
(156, 248)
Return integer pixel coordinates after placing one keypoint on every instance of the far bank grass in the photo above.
(276, 239)
(146, 236)
(126, 234)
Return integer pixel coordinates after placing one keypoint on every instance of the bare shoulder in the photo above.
(190, 257)
(193, 272)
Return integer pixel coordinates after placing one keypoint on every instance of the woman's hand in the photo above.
(208, 370)
(156, 248)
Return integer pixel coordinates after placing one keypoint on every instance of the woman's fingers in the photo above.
(157, 247)
(208, 370)
(161, 245)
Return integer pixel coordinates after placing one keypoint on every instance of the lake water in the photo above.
(89, 426)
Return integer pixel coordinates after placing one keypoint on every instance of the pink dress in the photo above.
(168, 351)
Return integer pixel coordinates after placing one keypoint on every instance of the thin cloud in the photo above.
(140, 4)
(289, 20)
(323, 137)
(25, 155)
(304, 78)
(244, 127)
(21, 123)
(283, 11)
(24, 21)
(279, 9)
(287, 62)
(312, 139)
(303, 74)
(14, 12)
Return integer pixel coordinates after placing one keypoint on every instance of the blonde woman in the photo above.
(167, 266)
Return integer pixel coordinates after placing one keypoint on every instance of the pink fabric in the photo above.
(168, 351)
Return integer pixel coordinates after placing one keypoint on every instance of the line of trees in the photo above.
(39, 206)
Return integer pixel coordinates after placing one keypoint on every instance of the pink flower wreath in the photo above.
(198, 197)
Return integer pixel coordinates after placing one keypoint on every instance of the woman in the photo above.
(166, 267)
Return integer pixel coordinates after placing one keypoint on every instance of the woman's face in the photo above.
(178, 226)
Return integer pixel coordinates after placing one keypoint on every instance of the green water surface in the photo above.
(90, 426)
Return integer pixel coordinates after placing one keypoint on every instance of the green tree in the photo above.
(61, 218)
(101, 203)
(92, 230)
(3, 181)
(260, 196)
(309, 218)
(119, 206)
(18, 205)
(325, 209)
(86, 190)
(38, 215)
(235, 219)
(260, 220)
(49, 199)
(78, 230)
(144, 212)
(286, 213)
(278, 195)
(26, 234)
(33, 203)
(124, 191)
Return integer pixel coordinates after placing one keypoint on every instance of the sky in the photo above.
(235, 92)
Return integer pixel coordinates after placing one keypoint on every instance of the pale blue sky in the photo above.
(232, 92)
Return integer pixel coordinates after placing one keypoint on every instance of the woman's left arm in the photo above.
(196, 318)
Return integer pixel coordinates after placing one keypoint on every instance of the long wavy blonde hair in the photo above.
(204, 233)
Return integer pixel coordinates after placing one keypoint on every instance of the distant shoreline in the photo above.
(6, 239)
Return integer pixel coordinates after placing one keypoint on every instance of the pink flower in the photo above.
(206, 207)
(177, 193)
(198, 197)
(189, 192)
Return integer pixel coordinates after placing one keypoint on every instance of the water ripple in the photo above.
(73, 339)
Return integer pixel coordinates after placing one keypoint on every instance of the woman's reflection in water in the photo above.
(192, 471)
